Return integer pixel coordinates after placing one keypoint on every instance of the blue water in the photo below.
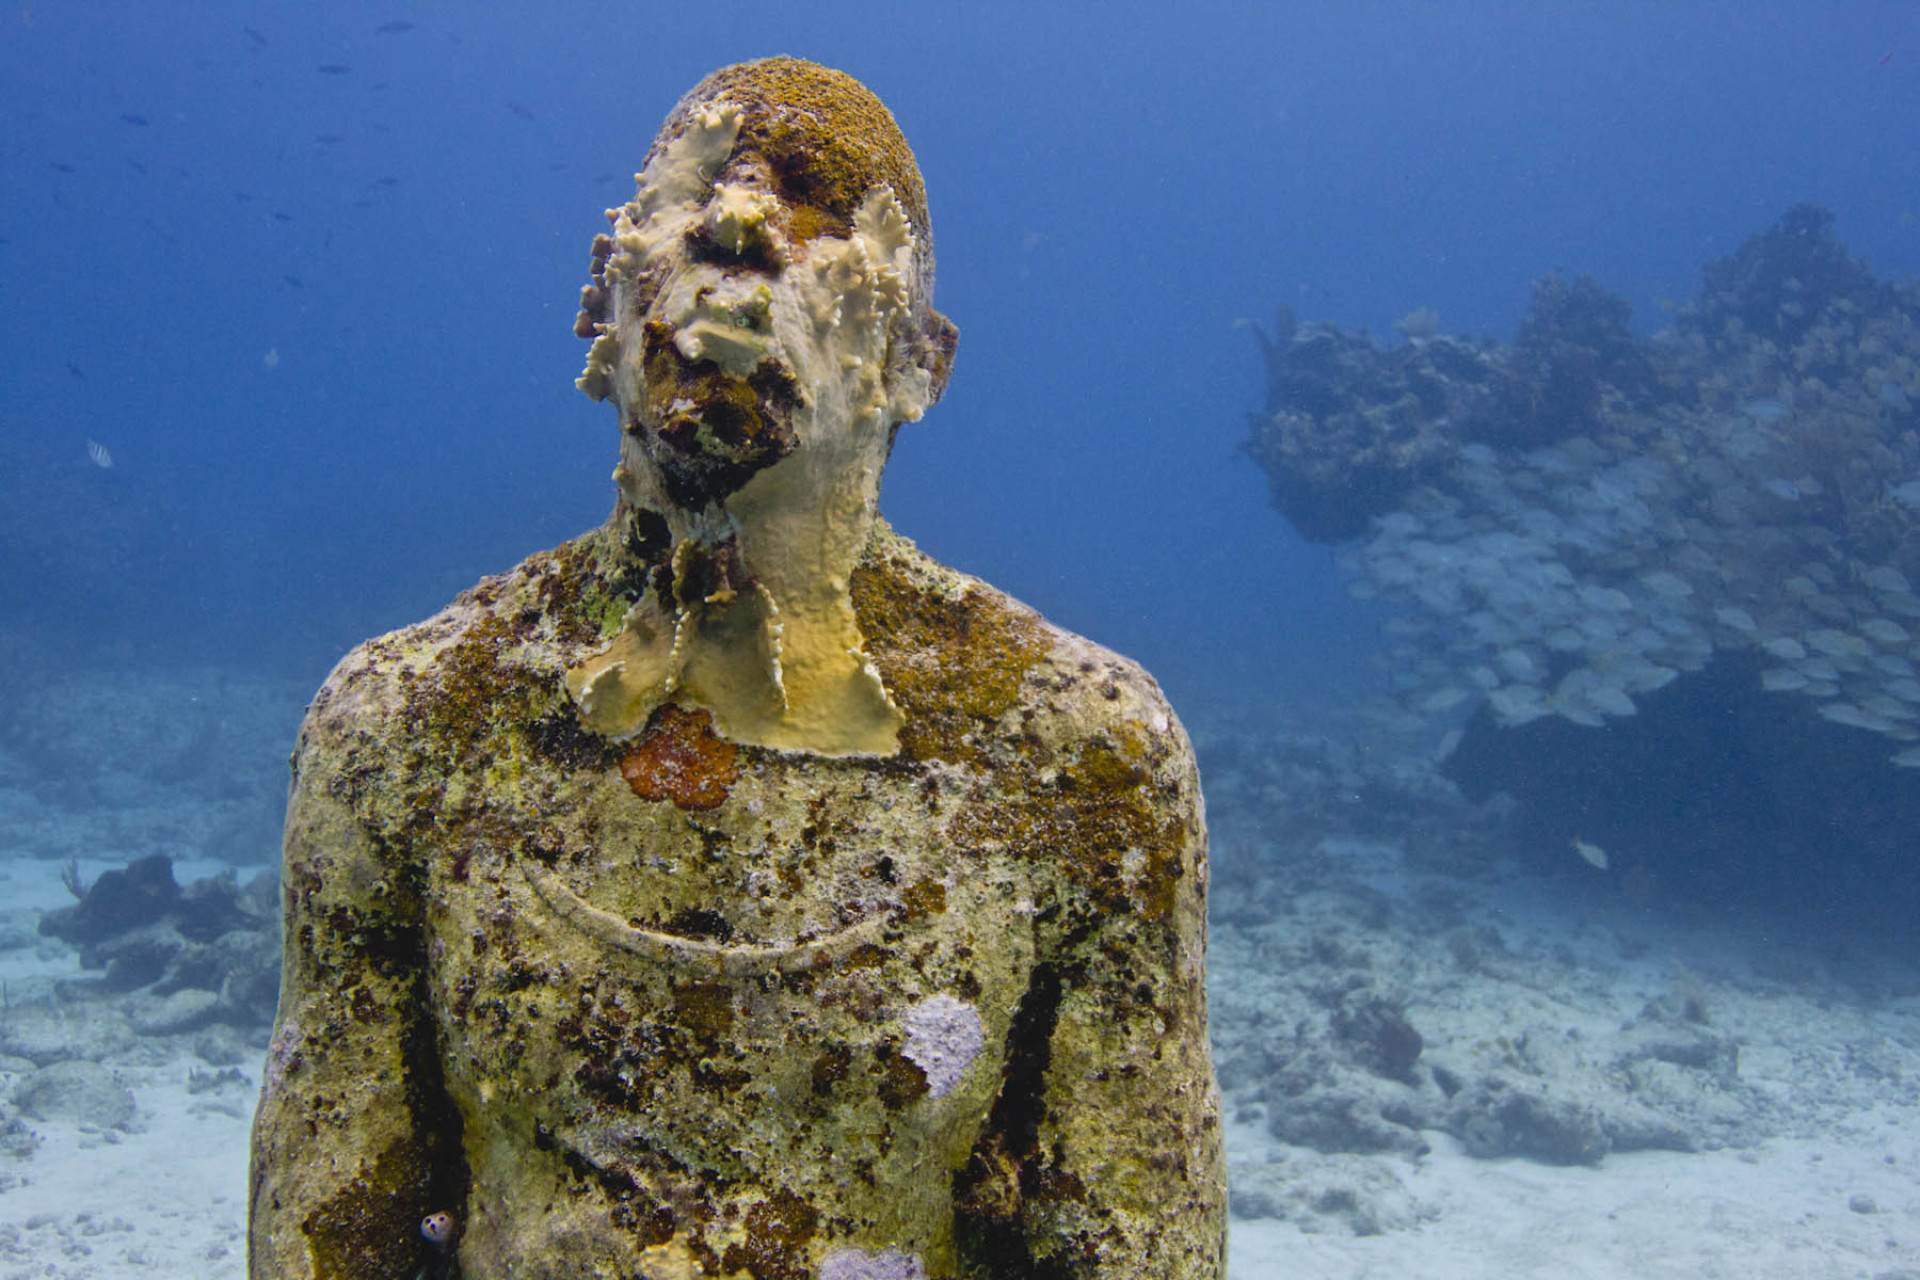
(309, 272)
(184, 192)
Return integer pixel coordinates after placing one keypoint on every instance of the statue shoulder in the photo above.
(972, 666)
(435, 696)
(369, 692)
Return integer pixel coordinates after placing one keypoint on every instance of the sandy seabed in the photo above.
(1836, 1197)
(164, 1197)
(1804, 1134)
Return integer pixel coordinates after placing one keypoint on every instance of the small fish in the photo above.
(76, 371)
(1782, 488)
(394, 28)
(131, 118)
(1766, 410)
(295, 281)
(259, 41)
(334, 69)
(137, 167)
(556, 166)
(386, 182)
(1782, 680)
(1592, 854)
(1886, 57)
(329, 139)
(438, 1229)
(62, 166)
(278, 216)
(101, 458)
(520, 111)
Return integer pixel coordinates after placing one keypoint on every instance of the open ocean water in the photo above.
(286, 360)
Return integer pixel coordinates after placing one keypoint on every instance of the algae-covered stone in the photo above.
(735, 890)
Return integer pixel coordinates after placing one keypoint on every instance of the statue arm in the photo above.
(1131, 1138)
(1102, 1158)
(344, 1151)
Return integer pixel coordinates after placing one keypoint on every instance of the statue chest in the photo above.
(672, 1007)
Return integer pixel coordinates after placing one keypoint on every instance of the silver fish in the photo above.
(98, 452)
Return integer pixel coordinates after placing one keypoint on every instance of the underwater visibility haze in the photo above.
(1496, 427)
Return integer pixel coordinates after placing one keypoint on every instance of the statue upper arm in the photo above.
(349, 1153)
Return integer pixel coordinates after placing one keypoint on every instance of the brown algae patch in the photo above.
(1103, 810)
(779, 1230)
(826, 138)
(953, 663)
(370, 1226)
(468, 690)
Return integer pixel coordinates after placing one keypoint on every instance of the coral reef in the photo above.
(734, 890)
(1577, 519)
(208, 949)
(1351, 430)
(1781, 282)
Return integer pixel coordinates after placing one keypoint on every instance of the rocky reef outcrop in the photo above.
(1575, 519)
(1706, 541)
(193, 954)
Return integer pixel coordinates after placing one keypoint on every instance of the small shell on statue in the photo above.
(437, 1229)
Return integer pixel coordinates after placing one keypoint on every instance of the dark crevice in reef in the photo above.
(1716, 792)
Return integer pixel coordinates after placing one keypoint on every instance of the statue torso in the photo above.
(726, 1009)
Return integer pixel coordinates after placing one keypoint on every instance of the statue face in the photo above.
(760, 316)
(767, 288)
(730, 357)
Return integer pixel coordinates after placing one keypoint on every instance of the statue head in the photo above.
(762, 317)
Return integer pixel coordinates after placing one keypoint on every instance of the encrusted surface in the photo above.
(734, 890)
(940, 1013)
(761, 317)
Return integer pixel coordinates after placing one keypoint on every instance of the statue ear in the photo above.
(937, 339)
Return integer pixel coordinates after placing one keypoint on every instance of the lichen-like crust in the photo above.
(684, 1007)
(734, 891)
(830, 140)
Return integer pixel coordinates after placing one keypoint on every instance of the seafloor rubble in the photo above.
(204, 952)
(1577, 518)
(1409, 1007)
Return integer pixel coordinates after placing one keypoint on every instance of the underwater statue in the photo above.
(734, 890)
